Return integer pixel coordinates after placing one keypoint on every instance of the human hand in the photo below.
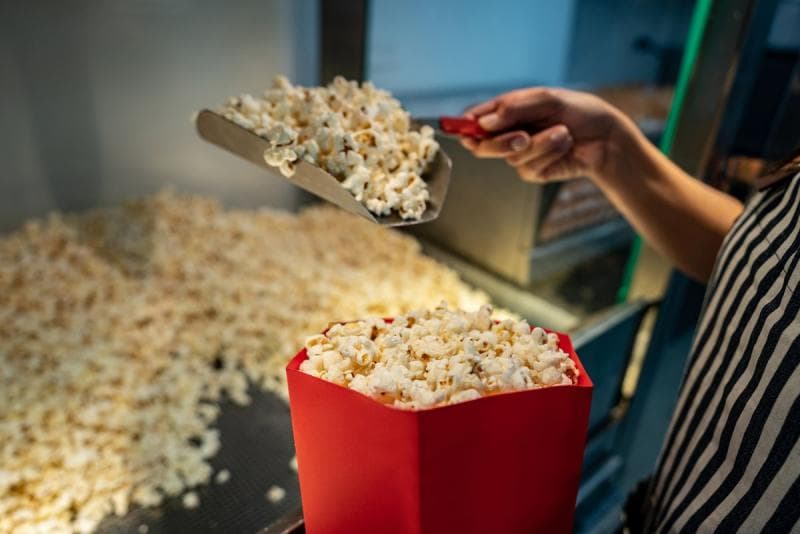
(550, 134)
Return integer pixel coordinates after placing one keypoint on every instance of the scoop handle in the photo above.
(462, 126)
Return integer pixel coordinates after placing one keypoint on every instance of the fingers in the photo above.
(537, 158)
(472, 113)
(554, 139)
(529, 106)
(544, 154)
(502, 146)
(481, 109)
(547, 169)
(469, 143)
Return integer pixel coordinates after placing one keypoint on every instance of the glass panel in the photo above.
(436, 56)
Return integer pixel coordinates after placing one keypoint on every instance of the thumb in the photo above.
(518, 108)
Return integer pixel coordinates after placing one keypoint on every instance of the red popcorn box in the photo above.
(507, 462)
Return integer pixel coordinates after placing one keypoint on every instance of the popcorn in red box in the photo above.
(436, 357)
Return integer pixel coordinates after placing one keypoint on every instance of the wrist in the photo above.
(629, 155)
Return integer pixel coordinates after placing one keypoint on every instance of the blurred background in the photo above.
(96, 99)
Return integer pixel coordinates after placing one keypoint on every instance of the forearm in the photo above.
(683, 218)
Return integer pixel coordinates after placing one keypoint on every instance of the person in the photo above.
(731, 457)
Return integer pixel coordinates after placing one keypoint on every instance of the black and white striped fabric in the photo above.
(731, 460)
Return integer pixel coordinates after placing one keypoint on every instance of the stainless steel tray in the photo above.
(256, 447)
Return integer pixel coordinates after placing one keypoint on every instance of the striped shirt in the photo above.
(731, 459)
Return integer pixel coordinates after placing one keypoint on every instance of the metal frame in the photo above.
(343, 27)
(714, 72)
(634, 311)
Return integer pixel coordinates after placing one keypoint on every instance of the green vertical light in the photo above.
(697, 27)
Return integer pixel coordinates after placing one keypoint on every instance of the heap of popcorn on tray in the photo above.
(122, 329)
(436, 357)
(357, 133)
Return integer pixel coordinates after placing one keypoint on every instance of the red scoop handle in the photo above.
(462, 126)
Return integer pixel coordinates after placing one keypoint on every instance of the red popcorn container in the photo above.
(508, 462)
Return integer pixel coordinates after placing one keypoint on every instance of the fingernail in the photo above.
(490, 121)
(519, 142)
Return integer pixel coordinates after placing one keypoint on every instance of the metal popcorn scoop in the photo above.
(218, 130)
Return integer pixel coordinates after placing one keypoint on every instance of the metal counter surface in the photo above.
(256, 447)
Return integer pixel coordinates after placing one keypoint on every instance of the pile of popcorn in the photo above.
(436, 357)
(122, 329)
(359, 134)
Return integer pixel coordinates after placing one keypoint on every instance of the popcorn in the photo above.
(122, 329)
(191, 500)
(359, 134)
(222, 476)
(275, 494)
(435, 357)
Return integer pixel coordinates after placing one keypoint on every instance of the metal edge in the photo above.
(218, 130)
(290, 523)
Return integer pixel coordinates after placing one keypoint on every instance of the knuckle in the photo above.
(534, 173)
(545, 93)
(549, 97)
(534, 179)
(517, 159)
(504, 110)
(527, 174)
